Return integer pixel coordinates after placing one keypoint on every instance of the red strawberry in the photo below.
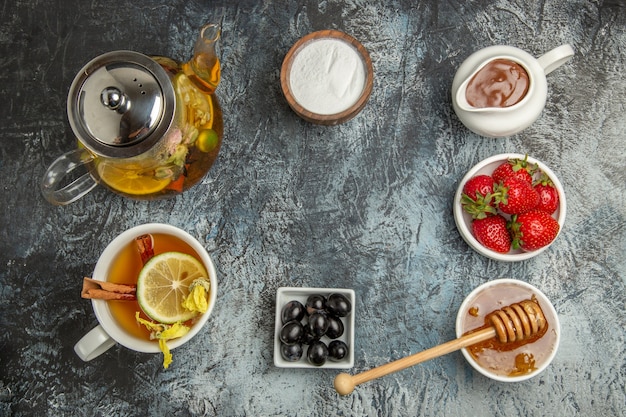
(492, 233)
(533, 230)
(477, 198)
(478, 186)
(515, 196)
(515, 167)
(548, 195)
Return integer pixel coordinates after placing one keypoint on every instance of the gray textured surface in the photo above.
(365, 205)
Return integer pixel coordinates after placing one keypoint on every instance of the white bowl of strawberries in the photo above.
(510, 207)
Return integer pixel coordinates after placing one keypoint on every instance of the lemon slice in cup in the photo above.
(163, 285)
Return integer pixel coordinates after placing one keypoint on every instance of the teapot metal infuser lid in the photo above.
(120, 104)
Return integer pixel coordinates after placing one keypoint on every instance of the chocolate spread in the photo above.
(500, 83)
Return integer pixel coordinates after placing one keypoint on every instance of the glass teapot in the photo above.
(147, 127)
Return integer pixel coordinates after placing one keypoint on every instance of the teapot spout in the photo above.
(204, 67)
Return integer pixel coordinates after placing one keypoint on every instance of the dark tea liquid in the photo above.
(125, 269)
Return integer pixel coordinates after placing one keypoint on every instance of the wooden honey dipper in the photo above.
(517, 322)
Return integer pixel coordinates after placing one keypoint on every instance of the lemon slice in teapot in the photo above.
(132, 182)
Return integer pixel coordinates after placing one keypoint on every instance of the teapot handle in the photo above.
(553, 59)
(59, 170)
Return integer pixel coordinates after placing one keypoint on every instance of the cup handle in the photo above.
(61, 168)
(93, 344)
(553, 59)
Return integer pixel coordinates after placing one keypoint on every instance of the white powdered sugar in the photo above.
(327, 76)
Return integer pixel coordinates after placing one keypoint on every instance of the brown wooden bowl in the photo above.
(326, 119)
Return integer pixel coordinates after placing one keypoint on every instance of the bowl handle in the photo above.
(94, 344)
(553, 59)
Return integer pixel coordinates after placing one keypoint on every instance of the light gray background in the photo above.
(366, 205)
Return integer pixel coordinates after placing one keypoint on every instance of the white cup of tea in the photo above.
(110, 330)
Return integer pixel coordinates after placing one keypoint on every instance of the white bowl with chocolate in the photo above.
(501, 90)
(508, 362)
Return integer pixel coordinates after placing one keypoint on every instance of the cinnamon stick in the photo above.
(145, 246)
(105, 290)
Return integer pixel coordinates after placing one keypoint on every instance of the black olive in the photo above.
(308, 337)
(291, 353)
(338, 305)
(315, 303)
(335, 327)
(293, 310)
(291, 332)
(337, 350)
(318, 324)
(317, 353)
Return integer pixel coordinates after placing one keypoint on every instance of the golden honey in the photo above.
(512, 358)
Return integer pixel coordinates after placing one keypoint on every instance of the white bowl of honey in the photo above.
(513, 361)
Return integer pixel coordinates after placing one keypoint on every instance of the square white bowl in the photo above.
(286, 294)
